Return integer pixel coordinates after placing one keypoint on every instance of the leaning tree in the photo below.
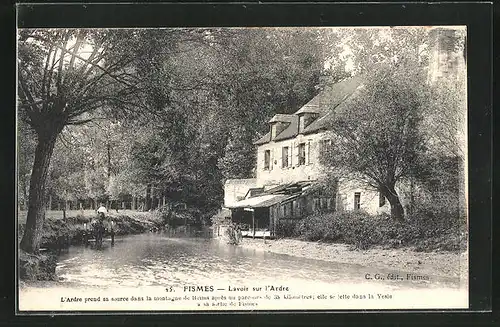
(377, 133)
(63, 76)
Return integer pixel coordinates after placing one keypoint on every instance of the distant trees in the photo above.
(262, 72)
(239, 155)
(169, 114)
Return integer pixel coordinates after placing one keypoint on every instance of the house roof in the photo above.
(290, 131)
(282, 118)
(330, 99)
(262, 201)
(323, 104)
(289, 188)
(264, 139)
(273, 196)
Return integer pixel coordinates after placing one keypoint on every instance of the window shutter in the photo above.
(280, 162)
(306, 154)
(297, 154)
(289, 154)
(271, 159)
(309, 151)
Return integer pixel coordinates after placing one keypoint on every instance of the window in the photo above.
(325, 146)
(381, 199)
(302, 154)
(301, 123)
(305, 119)
(284, 157)
(267, 159)
(309, 161)
(287, 210)
(273, 131)
(324, 203)
(357, 201)
(316, 205)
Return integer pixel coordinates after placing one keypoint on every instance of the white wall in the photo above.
(312, 170)
(234, 188)
(369, 197)
(276, 174)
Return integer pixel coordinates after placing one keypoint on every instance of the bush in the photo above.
(287, 228)
(426, 230)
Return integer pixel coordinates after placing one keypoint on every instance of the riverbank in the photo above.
(61, 233)
(444, 264)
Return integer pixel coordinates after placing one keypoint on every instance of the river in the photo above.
(156, 260)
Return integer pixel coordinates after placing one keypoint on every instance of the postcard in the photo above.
(226, 169)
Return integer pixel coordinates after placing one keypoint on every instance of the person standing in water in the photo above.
(98, 225)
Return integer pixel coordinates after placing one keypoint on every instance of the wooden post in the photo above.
(112, 233)
(253, 223)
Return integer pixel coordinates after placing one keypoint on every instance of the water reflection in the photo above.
(154, 259)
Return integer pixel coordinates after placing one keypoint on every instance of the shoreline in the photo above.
(58, 234)
(439, 264)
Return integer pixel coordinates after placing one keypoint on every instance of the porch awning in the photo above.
(261, 201)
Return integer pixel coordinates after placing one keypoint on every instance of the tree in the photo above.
(377, 134)
(58, 82)
(66, 172)
(239, 159)
(26, 144)
(262, 72)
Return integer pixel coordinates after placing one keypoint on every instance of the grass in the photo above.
(58, 214)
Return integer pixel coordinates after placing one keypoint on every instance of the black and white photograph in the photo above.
(242, 169)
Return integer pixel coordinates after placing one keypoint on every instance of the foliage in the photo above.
(240, 157)
(58, 85)
(287, 228)
(26, 143)
(378, 136)
(427, 229)
(109, 114)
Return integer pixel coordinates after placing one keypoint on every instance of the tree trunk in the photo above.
(36, 205)
(147, 204)
(397, 211)
(412, 197)
(108, 146)
(25, 194)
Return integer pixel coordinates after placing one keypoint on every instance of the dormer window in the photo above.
(301, 123)
(305, 119)
(277, 128)
(279, 123)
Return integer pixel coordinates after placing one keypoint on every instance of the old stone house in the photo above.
(288, 169)
(288, 157)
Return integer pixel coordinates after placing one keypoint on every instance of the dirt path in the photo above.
(446, 264)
